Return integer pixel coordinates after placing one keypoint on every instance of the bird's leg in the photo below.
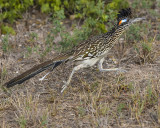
(47, 73)
(110, 69)
(44, 76)
(70, 77)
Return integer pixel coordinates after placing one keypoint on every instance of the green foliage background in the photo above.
(97, 11)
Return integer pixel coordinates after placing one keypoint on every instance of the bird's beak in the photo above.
(137, 19)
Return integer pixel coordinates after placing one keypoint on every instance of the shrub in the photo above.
(90, 9)
(10, 10)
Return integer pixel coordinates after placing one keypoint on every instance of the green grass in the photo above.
(5, 44)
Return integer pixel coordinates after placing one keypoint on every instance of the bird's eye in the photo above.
(122, 21)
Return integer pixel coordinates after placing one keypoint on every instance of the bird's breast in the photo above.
(87, 62)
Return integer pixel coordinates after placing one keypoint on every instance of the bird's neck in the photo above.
(115, 33)
(112, 36)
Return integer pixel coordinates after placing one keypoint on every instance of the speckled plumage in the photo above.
(86, 54)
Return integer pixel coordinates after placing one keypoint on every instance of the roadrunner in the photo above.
(86, 54)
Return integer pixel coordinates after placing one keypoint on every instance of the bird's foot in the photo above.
(120, 70)
(64, 86)
(43, 77)
(40, 79)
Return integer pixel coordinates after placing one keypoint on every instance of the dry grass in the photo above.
(94, 99)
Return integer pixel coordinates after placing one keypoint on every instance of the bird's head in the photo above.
(125, 18)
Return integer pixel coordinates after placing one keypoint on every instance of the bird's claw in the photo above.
(64, 86)
(121, 71)
(43, 78)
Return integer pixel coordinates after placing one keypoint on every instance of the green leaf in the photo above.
(45, 8)
(7, 30)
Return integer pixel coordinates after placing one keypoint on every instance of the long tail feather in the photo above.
(32, 72)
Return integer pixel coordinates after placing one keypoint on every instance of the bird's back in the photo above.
(91, 48)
